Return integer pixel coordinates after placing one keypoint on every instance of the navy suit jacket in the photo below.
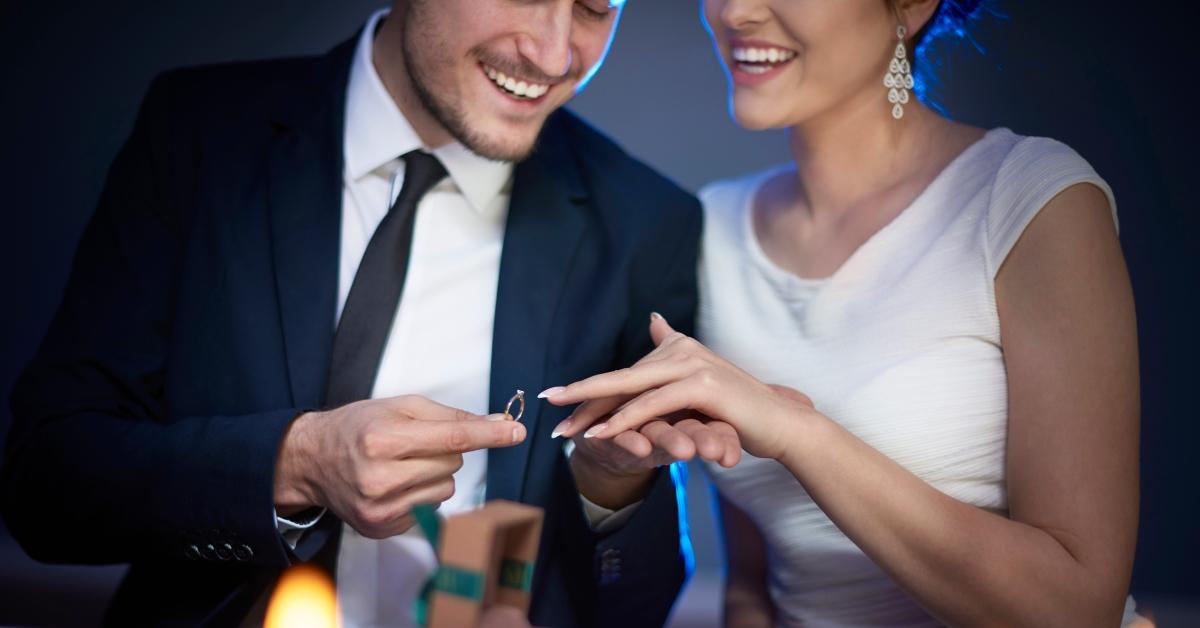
(198, 320)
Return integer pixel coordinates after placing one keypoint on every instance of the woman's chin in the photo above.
(758, 114)
(758, 121)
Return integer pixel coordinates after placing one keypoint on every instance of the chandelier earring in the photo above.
(899, 79)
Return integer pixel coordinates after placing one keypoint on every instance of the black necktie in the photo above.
(375, 294)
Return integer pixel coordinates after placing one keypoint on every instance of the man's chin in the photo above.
(495, 138)
(501, 147)
(502, 152)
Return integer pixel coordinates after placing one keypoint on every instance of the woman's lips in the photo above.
(755, 62)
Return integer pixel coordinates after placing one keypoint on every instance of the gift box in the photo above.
(485, 557)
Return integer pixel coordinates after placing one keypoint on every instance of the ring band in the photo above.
(520, 396)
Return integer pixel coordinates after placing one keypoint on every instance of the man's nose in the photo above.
(546, 40)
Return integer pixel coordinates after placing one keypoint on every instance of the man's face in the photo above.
(492, 71)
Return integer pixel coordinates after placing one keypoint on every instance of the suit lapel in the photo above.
(304, 190)
(545, 223)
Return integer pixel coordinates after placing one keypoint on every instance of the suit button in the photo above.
(225, 552)
(243, 553)
(192, 552)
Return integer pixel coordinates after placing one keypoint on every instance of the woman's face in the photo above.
(789, 61)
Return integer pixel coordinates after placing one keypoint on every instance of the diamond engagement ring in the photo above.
(519, 397)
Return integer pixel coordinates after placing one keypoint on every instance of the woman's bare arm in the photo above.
(1064, 555)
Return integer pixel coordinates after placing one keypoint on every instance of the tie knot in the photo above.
(422, 171)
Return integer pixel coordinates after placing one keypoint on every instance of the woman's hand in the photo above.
(682, 380)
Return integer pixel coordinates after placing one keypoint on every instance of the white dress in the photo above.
(901, 346)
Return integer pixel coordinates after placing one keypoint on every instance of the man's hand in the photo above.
(371, 461)
(614, 473)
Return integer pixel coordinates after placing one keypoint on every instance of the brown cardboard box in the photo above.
(486, 557)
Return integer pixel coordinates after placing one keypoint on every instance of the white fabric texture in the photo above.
(901, 346)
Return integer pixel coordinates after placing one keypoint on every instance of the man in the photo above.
(307, 282)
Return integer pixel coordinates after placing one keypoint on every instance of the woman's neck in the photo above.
(857, 151)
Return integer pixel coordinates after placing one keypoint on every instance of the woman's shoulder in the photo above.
(1030, 159)
(1011, 158)
(1032, 172)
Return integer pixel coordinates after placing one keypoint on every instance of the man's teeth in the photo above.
(520, 89)
(763, 55)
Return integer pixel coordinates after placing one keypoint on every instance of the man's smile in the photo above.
(513, 87)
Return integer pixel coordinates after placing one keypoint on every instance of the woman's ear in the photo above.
(915, 14)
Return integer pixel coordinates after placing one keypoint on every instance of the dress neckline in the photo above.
(795, 287)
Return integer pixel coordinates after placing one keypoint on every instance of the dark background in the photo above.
(1110, 79)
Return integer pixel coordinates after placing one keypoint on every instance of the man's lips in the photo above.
(513, 87)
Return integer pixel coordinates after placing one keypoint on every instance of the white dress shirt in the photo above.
(440, 344)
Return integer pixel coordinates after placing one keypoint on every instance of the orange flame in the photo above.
(304, 598)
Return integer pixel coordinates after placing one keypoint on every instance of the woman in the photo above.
(955, 304)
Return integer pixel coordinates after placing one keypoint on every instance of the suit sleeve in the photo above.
(641, 567)
(95, 469)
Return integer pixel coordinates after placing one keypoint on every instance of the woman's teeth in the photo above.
(759, 60)
(519, 89)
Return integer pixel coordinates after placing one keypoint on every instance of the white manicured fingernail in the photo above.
(595, 429)
(654, 315)
(500, 416)
(516, 434)
(562, 427)
(550, 392)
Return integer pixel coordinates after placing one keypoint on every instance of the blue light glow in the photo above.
(951, 23)
(617, 6)
(679, 476)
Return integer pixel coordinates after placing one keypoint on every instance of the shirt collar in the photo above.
(378, 133)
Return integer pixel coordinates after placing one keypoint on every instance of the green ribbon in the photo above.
(516, 574)
(457, 581)
(431, 527)
(460, 582)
